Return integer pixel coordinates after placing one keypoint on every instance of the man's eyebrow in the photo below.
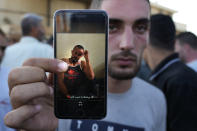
(115, 21)
(142, 21)
(138, 21)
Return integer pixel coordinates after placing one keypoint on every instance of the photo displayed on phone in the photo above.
(85, 55)
(81, 43)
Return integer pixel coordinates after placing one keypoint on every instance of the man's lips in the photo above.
(125, 61)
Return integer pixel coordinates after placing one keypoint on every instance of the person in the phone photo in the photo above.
(76, 81)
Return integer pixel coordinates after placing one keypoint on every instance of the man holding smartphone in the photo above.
(132, 103)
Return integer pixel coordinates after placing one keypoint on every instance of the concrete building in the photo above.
(156, 8)
(11, 12)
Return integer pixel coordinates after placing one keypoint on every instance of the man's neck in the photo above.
(118, 86)
(155, 56)
(30, 36)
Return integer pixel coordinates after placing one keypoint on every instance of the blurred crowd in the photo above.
(169, 62)
(16, 48)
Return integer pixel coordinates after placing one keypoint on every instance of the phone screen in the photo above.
(80, 39)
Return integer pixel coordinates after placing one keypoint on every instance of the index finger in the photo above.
(49, 65)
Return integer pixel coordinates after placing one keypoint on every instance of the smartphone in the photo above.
(80, 40)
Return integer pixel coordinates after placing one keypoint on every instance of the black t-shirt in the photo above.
(76, 81)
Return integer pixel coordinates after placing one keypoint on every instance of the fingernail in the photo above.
(38, 107)
(62, 66)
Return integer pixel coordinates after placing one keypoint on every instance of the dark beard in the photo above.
(126, 75)
(41, 37)
(73, 60)
(120, 76)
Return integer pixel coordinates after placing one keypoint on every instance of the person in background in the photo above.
(145, 71)
(186, 46)
(30, 44)
(5, 105)
(3, 44)
(177, 81)
(132, 104)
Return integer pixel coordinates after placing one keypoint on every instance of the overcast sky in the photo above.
(186, 12)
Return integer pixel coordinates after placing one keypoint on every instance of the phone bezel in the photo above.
(71, 116)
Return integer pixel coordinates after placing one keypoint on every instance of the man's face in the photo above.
(40, 31)
(77, 54)
(2, 46)
(128, 35)
(180, 50)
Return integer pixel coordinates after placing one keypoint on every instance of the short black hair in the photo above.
(79, 46)
(187, 38)
(96, 4)
(162, 32)
(30, 20)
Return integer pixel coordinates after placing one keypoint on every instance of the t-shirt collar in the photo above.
(164, 64)
(28, 39)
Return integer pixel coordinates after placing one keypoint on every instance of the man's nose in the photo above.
(127, 40)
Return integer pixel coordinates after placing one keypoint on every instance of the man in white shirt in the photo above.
(186, 46)
(30, 45)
